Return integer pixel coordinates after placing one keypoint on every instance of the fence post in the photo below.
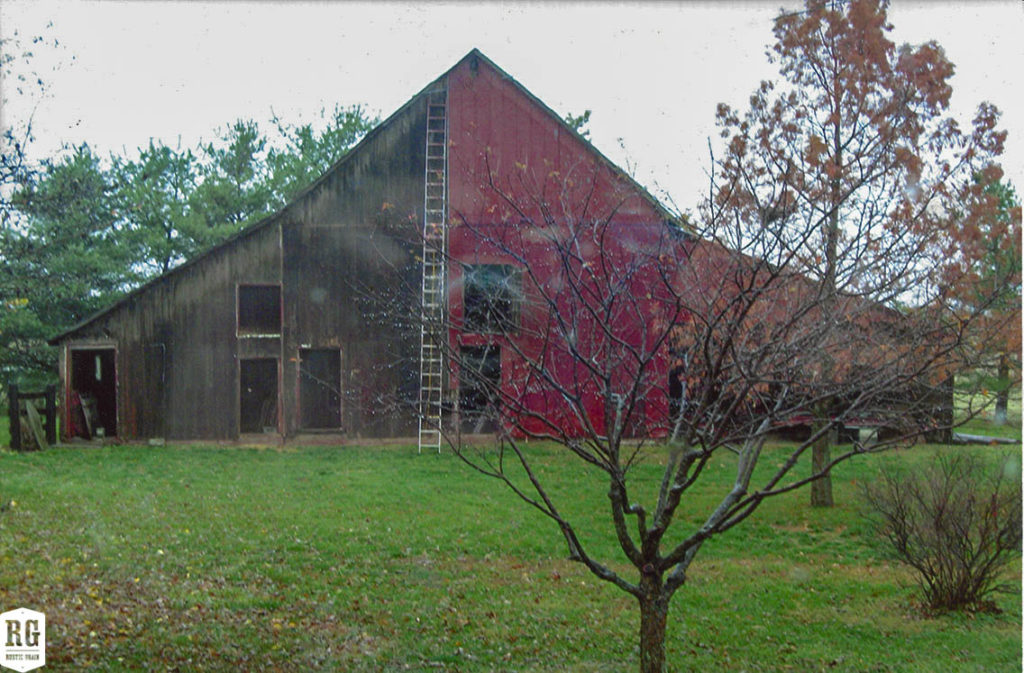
(51, 414)
(14, 413)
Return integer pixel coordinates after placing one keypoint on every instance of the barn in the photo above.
(315, 319)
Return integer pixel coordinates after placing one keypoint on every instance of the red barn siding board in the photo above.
(497, 130)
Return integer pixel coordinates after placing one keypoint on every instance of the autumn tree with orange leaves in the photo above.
(985, 275)
(852, 164)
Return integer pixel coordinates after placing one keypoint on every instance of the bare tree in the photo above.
(628, 343)
(686, 344)
(956, 521)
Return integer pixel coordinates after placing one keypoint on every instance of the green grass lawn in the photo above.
(982, 423)
(378, 559)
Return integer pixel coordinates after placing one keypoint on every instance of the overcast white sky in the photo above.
(651, 73)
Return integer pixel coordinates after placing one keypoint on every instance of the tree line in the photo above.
(79, 229)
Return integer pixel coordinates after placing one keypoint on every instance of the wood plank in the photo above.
(35, 423)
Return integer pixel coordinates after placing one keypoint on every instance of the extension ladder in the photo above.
(433, 318)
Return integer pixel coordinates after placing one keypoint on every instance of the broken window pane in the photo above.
(491, 298)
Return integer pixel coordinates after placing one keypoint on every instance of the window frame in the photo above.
(258, 329)
(485, 311)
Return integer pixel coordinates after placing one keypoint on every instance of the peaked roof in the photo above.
(654, 202)
(437, 84)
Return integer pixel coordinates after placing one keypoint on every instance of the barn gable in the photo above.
(277, 330)
(500, 132)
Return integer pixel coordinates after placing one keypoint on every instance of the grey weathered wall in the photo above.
(176, 346)
(337, 251)
(349, 269)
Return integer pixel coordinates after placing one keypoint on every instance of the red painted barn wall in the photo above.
(519, 181)
(498, 133)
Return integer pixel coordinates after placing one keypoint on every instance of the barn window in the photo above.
(491, 298)
(259, 309)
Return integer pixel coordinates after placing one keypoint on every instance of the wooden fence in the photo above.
(14, 399)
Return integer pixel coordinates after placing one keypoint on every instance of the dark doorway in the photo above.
(257, 400)
(479, 385)
(320, 388)
(93, 402)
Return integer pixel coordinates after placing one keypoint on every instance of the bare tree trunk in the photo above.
(821, 454)
(1003, 397)
(653, 619)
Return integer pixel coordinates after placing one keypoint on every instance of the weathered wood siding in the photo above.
(177, 349)
(177, 353)
(351, 275)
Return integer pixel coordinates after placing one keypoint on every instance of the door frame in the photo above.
(68, 372)
(298, 388)
(277, 392)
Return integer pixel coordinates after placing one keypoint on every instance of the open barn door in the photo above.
(92, 393)
(479, 383)
(257, 395)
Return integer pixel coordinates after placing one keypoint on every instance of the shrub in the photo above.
(956, 521)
